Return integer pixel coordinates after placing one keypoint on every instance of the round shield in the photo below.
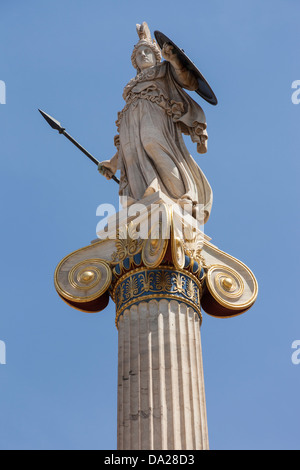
(204, 90)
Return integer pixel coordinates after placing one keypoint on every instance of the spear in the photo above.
(57, 126)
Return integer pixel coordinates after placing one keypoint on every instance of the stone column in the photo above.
(157, 282)
(161, 398)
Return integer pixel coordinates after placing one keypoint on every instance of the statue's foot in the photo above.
(186, 203)
(200, 214)
(148, 192)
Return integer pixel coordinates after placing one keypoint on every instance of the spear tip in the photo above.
(51, 121)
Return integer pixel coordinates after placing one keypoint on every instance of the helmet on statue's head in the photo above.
(145, 40)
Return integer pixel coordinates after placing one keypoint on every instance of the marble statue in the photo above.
(151, 153)
(154, 262)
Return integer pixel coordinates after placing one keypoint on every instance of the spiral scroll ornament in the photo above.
(83, 282)
(229, 289)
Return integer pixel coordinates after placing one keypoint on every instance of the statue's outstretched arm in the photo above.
(182, 75)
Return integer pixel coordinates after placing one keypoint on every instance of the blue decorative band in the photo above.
(164, 282)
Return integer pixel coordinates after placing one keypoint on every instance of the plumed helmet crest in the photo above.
(144, 35)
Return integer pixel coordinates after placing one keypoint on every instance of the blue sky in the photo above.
(58, 389)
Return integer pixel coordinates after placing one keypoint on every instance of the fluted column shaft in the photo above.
(161, 398)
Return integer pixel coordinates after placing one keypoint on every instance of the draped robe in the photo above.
(151, 150)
